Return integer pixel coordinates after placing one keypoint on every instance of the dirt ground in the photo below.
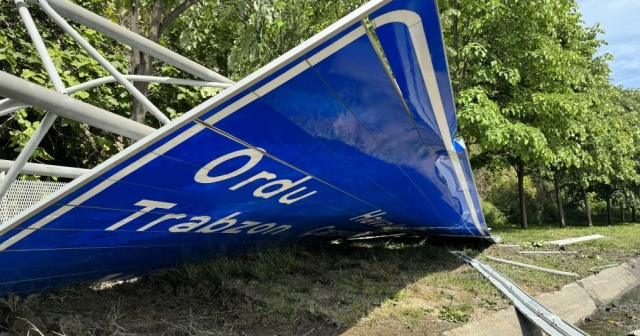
(386, 286)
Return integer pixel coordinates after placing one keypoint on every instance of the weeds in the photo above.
(32, 327)
(411, 316)
(453, 315)
(220, 270)
(619, 246)
(13, 302)
(315, 309)
(113, 318)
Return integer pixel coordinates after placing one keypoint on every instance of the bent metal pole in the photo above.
(96, 22)
(104, 62)
(45, 169)
(40, 97)
(49, 117)
(8, 106)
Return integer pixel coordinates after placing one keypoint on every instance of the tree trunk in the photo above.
(556, 182)
(633, 214)
(456, 73)
(523, 203)
(587, 208)
(609, 220)
(137, 110)
(141, 63)
(622, 211)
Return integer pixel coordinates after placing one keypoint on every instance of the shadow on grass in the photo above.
(323, 289)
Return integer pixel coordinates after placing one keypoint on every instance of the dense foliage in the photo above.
(532, 94)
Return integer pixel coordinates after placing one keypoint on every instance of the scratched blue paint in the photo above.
(329, 144)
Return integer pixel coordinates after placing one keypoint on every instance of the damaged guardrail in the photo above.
(524, 303)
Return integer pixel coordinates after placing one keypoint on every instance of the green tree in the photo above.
(149, 18)
(69, 142)
(520, 71)
(611, 154)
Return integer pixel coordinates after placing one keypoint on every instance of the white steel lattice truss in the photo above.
(23, 194)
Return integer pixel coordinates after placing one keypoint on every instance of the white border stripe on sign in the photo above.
(337, 45)
(419, 40)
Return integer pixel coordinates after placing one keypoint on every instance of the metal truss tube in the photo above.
(40, 47)
(91, 20)
(49, 117)
(548, 270)
(150, 79)
(110, 68)
(9, 106)
(45, 170)
(26, 152)
(29, 93)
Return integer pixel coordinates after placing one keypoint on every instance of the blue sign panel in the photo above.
(335, 138)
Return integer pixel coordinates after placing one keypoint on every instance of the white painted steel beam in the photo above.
(91, 20)
(60, 21)
(548, 270)
(8, 106)
(35, 95)
(575, 240)
(44, 169)
(49, 117)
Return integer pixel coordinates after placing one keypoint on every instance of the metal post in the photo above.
(527, 328)
(43, 170)
(96, 55)
(49, 117)
(91, 20)
(8, 106)
(37, 96)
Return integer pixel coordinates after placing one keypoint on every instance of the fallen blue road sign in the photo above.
(333, 139)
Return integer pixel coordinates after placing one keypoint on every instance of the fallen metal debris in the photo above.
(377, 237)
(548, 252)
(575, 240)
(548, 270)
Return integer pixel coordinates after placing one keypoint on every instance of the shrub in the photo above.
(492, 215)
(500, 188)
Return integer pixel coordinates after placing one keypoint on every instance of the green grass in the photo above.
(377, 286)
(622, 243)
(621, 234)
